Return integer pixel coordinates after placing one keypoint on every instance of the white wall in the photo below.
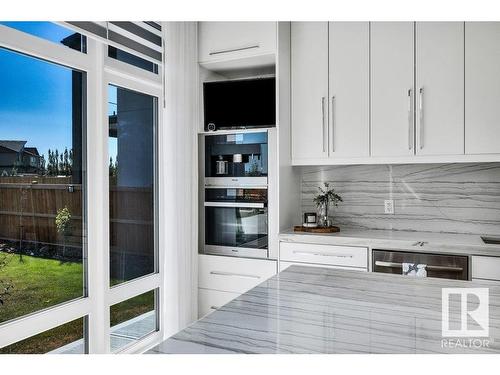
(179, 160)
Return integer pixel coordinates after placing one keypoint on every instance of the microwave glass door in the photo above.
(236, 155)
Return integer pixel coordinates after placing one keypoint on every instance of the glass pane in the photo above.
(236, 227)
(132, 319)
(65, 339)
(52, 32)
(134, 60)
(132, 122)
(41, 186)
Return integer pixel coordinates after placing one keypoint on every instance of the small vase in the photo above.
(324, 219)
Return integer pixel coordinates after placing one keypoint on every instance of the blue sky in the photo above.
(35, 96)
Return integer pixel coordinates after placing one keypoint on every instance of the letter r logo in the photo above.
(478, 313)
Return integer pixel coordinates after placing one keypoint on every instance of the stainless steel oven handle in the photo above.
(222, 273)
(234, 204)
(429, 267)
(323, 254)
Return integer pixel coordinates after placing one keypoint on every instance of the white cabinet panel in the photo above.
(211, 300)
(440, 88)
(482, 87)
(349, 49)
(284, 265)
(309, 76)
(347, 256)
(485, 268)
(233, 274)
(235, 40)
(392, 73)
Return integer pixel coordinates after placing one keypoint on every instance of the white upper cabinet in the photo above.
(392, 74)
(349, 62)
(252, 41)
(482, 87)
(439, 88)
(309, 76)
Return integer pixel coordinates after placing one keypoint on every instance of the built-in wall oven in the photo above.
(235, 194)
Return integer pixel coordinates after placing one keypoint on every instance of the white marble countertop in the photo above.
(320, 310)
(468, 244)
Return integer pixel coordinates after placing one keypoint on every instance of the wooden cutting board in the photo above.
(300, 228)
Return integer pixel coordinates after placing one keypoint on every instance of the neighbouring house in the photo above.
(16, 158)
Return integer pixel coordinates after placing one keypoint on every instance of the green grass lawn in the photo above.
(40, 283)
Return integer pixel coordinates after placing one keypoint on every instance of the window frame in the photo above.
(100, 70)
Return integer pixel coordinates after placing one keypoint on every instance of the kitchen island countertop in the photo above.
(320, 310)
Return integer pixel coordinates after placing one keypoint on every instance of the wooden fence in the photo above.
(29, 205)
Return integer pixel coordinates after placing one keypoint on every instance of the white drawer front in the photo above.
(211, 300)
(485, 268)
(284, 265)
(324, 254)
(233, 274)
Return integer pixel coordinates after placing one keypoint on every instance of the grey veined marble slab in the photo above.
(320, 310)
(447, 198)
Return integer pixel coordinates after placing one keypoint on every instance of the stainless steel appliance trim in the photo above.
(245, 252)
(429, 267)
(217, 52)
(299, 252)
(245, 275)
(263, 187)
(235, 181)
(234, 204)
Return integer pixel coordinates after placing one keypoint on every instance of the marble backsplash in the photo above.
(453, 198)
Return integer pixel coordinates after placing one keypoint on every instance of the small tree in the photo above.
(5, 286)
(63, 224)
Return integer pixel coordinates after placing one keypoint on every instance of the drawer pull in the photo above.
(233, 49)
(221, 273)
(430, 268)
(214, 307)
(323, 254)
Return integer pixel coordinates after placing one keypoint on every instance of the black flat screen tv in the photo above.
(238, 104)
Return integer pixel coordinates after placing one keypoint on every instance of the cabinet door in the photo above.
(392, 73)
(309, 71)
(440, 88)
(349, 49)
(482, 87)
(232, 40)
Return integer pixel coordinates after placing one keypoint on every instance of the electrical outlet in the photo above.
(389, 206)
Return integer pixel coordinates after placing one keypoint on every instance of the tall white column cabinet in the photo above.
(482, 87)
(349, 82)
(392, 88)
(439, 88)
(309, 94)
(330, 90)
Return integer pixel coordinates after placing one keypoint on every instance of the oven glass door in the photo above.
(229, 226)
